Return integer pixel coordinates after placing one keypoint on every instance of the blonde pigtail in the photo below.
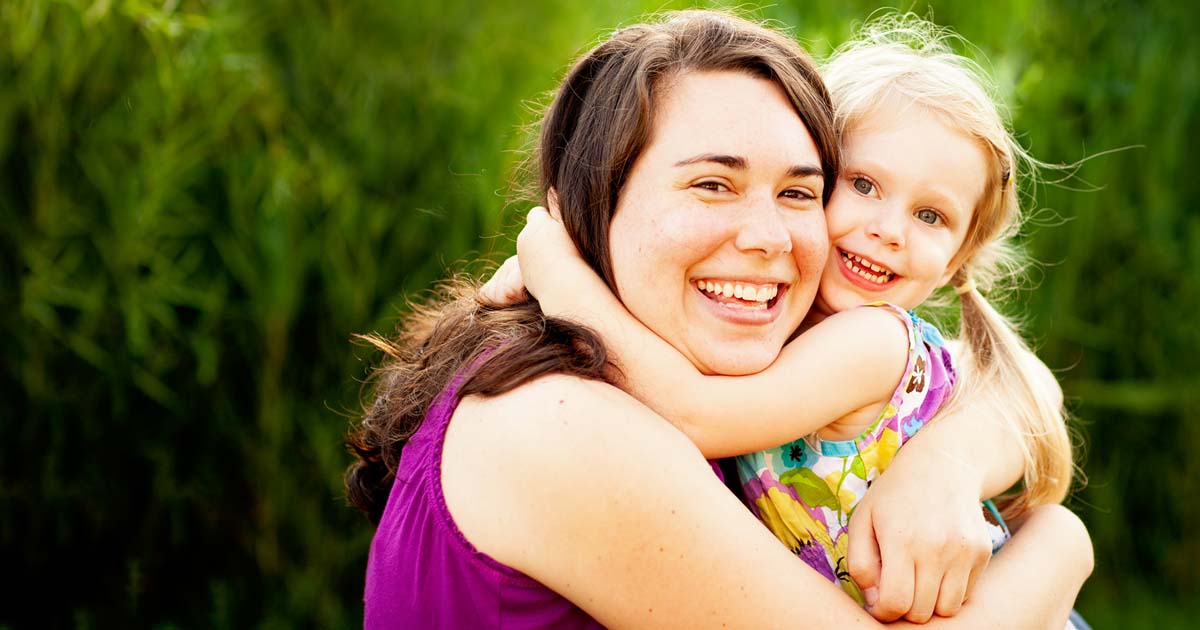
(1000, 365)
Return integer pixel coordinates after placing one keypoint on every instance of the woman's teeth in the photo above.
(750, 295)
(867, 270)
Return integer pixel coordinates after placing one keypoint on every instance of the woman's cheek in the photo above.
(810, 245)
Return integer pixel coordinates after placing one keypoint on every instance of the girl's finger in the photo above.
(505, 286)
(925, 592)
(862, 555)
(983, 555)
(952, 593)
(896, 582)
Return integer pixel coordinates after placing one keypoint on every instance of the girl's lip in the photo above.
(744, 316)
(858, 280)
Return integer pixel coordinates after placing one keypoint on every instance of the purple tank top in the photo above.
(423, 573)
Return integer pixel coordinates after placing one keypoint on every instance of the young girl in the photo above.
(927, 197)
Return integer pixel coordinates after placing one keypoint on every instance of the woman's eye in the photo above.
(863, 185)
(928, 216)
(798, 194)
(713, 186)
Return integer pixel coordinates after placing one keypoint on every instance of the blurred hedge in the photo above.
(200, 201)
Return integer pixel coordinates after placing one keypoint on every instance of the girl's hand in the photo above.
(917, 539)
(545, 247)
(505, 287)
(551, 267)
(547, 266)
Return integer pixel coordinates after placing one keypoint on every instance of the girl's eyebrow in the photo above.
(740, 163)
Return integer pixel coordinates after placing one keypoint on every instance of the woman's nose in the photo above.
(763, 228)
(889, 226)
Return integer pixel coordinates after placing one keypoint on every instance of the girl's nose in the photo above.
(889, 227)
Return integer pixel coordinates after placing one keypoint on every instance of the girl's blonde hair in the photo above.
(901, 57)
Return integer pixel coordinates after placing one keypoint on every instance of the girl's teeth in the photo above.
(858, 266)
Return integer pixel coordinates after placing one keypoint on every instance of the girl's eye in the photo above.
(928, 216)
(863, 185)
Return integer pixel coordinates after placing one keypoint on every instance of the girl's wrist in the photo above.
(927, 458)
(968, 474)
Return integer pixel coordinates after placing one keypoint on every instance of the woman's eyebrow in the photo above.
(807, 170)
(731, 161)
(740, 163)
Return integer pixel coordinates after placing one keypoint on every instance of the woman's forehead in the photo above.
(728, 113)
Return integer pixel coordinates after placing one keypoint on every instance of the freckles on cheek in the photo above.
(810, 245)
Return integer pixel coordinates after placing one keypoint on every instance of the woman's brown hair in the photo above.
(598, 124)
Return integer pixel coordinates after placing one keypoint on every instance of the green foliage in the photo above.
(202, 200)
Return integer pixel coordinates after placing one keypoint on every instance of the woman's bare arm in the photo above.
(600, 499)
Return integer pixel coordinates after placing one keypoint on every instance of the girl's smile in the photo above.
(864, 272)
(901, 209)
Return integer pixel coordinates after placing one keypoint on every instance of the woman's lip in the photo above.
(858, 280)
(743, 316)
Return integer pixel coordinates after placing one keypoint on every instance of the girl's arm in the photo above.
(602, 501)
(847, 362)
(969, 453)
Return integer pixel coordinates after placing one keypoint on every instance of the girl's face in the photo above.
(901, 208)
(719, 238)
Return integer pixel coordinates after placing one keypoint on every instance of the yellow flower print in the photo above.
(769, 515)
(845, 497)
(790, 521)
(879, 454)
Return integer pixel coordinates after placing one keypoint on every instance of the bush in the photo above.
(200, 202)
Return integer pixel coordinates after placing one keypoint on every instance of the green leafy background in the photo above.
(202, 200)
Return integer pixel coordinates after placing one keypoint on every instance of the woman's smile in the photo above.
(719, 235)
(743, 301)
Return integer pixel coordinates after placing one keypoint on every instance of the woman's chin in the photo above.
(735, 359)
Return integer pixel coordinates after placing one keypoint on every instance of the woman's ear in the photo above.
(552, 204)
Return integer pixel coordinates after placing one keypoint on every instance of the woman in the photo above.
(532, 492)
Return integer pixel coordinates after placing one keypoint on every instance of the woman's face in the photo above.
(719, 236)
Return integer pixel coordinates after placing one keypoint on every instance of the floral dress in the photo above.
(806, 490)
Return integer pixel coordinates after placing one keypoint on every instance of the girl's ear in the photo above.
(955, 274)
(949, 275)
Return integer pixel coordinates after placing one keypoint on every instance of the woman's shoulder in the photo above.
(532, 460)
(560, 422)
(554, 407)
